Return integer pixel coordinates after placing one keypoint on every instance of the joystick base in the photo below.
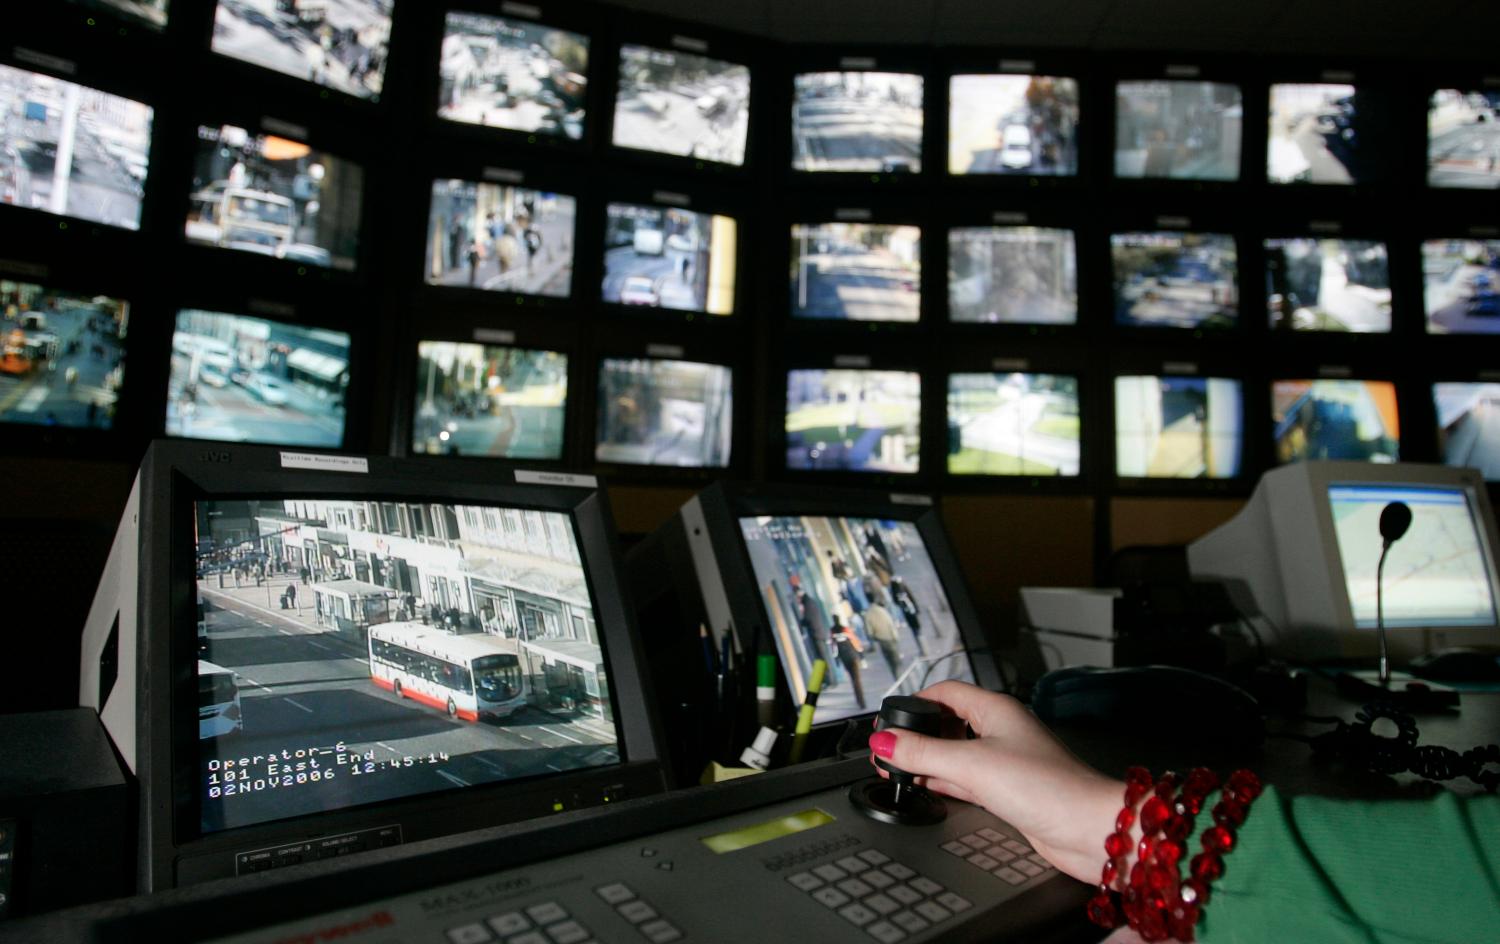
(877, 799)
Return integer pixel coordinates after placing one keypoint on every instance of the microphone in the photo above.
(1395, 519)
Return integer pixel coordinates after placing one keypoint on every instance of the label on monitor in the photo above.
(530, 477)
(324, 463)
(313, 850)
(898, 498)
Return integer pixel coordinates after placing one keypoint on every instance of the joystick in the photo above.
(899, 800)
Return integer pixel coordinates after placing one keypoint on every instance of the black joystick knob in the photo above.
(899, 800)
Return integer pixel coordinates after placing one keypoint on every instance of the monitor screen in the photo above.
(339, 45)
(500, 239)
(1461, 285)
(1178, 129)
(150, 13)
(274, 197)
(356, 651)
(661, 412)
(247, 379)
(1328, 285)
(1013, 124)
(678, 103)
(1315, 135)
(667, 257)
(1012, 424)
(856, 271)
(72, 150)
(1175, 280)
(1335, 419)
(1178, 427)
(863, 595)
(864, 122)
(504, 73)
(1012, 275)
(853, 420)
(489, 400)
(62, 356)
(1463, 139)
(1438, 574)
(1468, 435)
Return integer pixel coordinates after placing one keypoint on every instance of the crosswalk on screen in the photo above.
(1438, 574)
(861, 594)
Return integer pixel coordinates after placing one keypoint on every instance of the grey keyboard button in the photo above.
(614, 894)
(805, 881)
(831, 897)
(992, 835)
(933, 911)
(1027, 868)
(512, 922)
(911, 922)
(852, 864)
(898, 871)
(904, 895)
(660, 932)
(954, 901)
(548, 912)
(881, 904)
(636, 911)
(830, 873)
(530, 937)
(980, 860)
(1016, 846)
(475, 933)
(975, 841)
(1010, 875)
(885, 932)
(875, 857)
(854, 888)
(999, 853)
(925, 885)
(957, 848)
(567, 932)
(857, 914)
(1039, 859)
(876, 879)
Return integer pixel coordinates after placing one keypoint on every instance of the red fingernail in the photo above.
(883, 743)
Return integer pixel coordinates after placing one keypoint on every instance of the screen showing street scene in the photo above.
(1328, 285)
(1182, 130)
(1175, 280)
(856, 271)
(356, 652)
(661, 412)
(1013, 124)
(274, 197)
(1178, 427)
(860, 122)
(1317, 135)
(853, 420)
(860, 595)
(338, 44)
(1012, 424)
(666, 257)
(500, 239)
(246, 379)
(62, 356)
(482, 400)
(678, 103)
(151, 13)
(1438, 574)
(1463, 139)
(1012, 275)
(512, 74)
(72, 150)
(1468, 416)
(1335, 419)
(1461, 285)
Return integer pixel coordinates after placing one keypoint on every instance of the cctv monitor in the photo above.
(1175, 280)
(242, 379)
(669, 257)
(678, 103)
(1023, 125)
(501, 72)
(341, 46)
(1463, 139)
(490, 401)
(272, 196)
(1302, 560)
(346, 653)
(1013, 424)
(1328, 285)
(1317, 135)
(1178, 129)
(1467, 434)
(72, 150)
(857, 122)
(658, 412)
(148, 13)
(1335, 419)
(500, 238)
(62, 356)
(856, 271)
(1461, 285)
(1012, 275)
(853, 420)
(1178, 427)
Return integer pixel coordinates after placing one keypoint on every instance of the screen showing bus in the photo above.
(862, 595)
(149, 13)
(1463, 139)
(353, 652)
(246, 379)
(664, 412)
(1178, 427)
(1440, 572)
(1178, 129)
(1461, 285)
(1317, 135)
(678, 103)
(853, 420)
(274, 197)
(72, 150)
(504, 73)
(1335, 419)
(1468, 416)
(1012, 424)
(856, 271)
(1012, 275)
(1013, 124)
(500, 239)
(667, 257)
(1175, 280)
(861, 122)
(1328, 285)
(62, 356)
(486, 400)
(340, 45)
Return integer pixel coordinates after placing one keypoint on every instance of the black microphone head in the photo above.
(1394, 521)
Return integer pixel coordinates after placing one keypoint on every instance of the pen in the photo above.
(805, 716)
(765, 688)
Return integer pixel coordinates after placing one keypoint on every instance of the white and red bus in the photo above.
(469, 675)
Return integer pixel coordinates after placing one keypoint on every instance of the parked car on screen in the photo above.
(638, 290)
(268, 390)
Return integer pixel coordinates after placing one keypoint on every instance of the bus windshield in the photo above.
(264, 211)
(215, 688)
(499, 673)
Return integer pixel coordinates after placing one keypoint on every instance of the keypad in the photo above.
(1005, 857)
(632, 908)
(546, 922)
(888, 899)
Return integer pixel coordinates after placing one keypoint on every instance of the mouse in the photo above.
(1190, 702)
(1457, 665)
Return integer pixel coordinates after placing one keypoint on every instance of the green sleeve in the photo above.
(1317, 869)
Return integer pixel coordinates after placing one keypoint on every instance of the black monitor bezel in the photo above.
(898, 359)
(867, 212)
(1201, 68)
(1007, 62)
(1211, 224)
(1003, 359)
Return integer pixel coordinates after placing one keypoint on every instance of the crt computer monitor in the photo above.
(1301, 558)
(303, 652)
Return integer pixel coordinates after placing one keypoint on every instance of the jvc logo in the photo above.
(215, 455)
